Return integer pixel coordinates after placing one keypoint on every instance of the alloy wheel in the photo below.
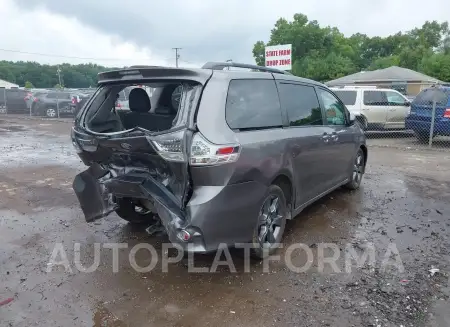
(51, 113)
(270, 222)
(358, 168)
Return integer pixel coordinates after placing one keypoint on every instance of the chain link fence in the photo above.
(413, 116)
(47, 103)
(407, 116)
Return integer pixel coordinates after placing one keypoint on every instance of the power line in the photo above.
(90, 58)
(59, 56)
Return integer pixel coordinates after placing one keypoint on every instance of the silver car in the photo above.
(215, 157)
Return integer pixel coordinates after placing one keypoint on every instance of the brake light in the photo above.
(447, 113)
(35, 100)
(83, 142)
(204, 153)
(170, 146)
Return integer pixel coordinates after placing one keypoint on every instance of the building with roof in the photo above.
(407, 81)
(7, 85)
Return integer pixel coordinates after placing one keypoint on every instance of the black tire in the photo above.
(357, 171)
(423, 138)
(274, 225)
(128, 211)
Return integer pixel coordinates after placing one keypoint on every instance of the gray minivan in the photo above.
(215, 156)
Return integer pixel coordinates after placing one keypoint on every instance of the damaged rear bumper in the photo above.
(215, 215)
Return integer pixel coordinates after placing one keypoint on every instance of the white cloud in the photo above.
(40, 31)
(206, 30)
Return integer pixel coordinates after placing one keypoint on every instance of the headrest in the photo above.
(138, 100)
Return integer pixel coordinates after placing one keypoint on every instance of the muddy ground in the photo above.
(404, 205)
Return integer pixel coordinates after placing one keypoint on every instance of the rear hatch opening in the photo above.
(142, 151)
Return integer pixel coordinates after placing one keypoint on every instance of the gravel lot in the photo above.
(403, 205)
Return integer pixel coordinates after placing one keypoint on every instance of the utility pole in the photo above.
(59, 76)
(177, 55)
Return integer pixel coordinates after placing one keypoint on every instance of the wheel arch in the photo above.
(284, 181)
(363, 147)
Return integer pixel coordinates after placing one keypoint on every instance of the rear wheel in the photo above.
(358, 171)
(134, 213)
(271, 223)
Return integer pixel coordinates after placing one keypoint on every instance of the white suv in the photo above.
(375, 108)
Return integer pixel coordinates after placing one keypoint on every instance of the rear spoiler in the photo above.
(140, 73)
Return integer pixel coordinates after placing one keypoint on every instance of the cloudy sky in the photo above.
(118, 33)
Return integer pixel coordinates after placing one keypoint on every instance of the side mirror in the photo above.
(407, 103)
(352, 118)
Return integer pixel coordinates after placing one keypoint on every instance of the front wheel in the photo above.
(358, 171)
(271, 223)
(51, 112)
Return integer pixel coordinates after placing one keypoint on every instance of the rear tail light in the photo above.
(447, 113)
(118, 105)
(204, 153)
(170, 146)
(35, 100)
(83, 142)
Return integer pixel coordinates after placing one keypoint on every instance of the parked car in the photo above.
(215, 156)
(50, 103)
(78, 100)
(13, 101)
(376, 109)
(419, 120)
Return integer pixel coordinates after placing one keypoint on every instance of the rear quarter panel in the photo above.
(263, 153)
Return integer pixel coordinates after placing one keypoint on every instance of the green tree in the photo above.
(384, 62)
(28, 85)
(44, 76)
(324, 53)
(437, 65)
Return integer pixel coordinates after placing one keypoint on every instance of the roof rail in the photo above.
(222, 65)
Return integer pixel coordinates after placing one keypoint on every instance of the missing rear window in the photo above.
(152, 106)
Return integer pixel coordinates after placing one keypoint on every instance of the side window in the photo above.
(176, 97)
(395, 99)
(375, 98)
(301, 104)
(347, 97)
(335, 112)
(253, 104)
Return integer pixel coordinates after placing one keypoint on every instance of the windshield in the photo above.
(426, 97)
